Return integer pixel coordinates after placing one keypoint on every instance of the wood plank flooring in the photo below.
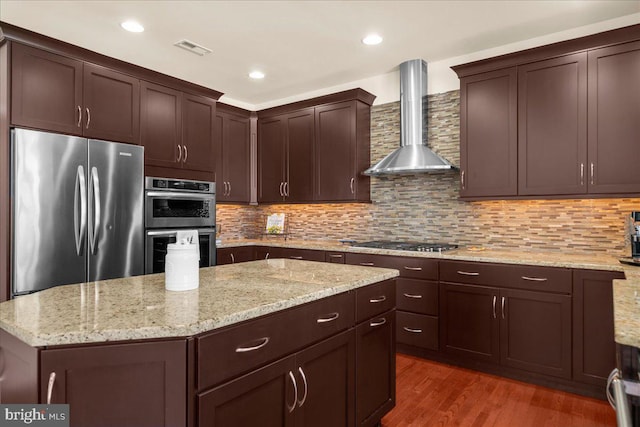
(434, 394)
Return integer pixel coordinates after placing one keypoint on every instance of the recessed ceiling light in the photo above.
(256, 75)
(372, 39)
(132, 26)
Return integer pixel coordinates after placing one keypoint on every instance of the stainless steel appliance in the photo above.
(623, 387)
(406, 246)
(172, 205)
(77, 210)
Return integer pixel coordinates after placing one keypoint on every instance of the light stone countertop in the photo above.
(140, 308)
(626, 293)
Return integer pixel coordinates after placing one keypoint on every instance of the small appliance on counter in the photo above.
(182, 262)
(634, 236)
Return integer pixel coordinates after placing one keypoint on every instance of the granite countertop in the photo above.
(626, 293)
(140, 307)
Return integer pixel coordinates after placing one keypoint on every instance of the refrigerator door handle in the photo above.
(94, 185)
(81, 217)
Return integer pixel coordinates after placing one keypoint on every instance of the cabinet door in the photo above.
(552, 126)
(265, 398)
(325, 375)
(375, 368)
(614, 119)
(335, 152)
(469, 324)
(300, 164)
(46, 90)
(236, 158)
(141, 384)
(302, 254)
(535, 332)
(488, 134)
(198, 127)
(111, 105)
(234, 255)
(594, 347)
(161, 125)
(271, 159)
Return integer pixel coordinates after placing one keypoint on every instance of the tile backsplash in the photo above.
(426, 206)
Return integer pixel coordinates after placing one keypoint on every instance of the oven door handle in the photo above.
(177, 195)
(162, 233)
(201, 232)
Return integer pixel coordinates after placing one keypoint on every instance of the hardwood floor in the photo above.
(433, 394)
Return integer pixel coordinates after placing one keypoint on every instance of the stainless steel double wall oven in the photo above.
(172, 205)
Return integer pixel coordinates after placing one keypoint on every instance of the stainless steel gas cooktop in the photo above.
(406, 246)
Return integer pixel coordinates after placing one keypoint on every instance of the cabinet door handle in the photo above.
(295, 257)
(266, 256)
(495, 299)
(263, 341)
(88, 117)
(413, 296)
(186, 154)
(286, 189)
(367, 264)
(462, 179)
(413, 268)
(224, 192)
(295, 393)
(592, 172)
(351, 185)
(329, 318)
(468, 273)
(306, 387)
(281, 191)
(79, 116)
(412, 330)
(52, 381)
(179, 153)
(378, 322)
(534, 279)
(381, 298)
(233, 259)
(581, 174)
(503, 303)
(228, 182)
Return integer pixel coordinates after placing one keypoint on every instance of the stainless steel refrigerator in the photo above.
(77, 210)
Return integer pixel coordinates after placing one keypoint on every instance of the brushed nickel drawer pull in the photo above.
(306, 387)
(495, 299)
(468, 273)
(179, 153)
(52, 381)
(381, 298)
(295, 257)
(295, 393)
(367, 264)
(379, 322)
(534, 279)
(186, 154)
(79, 116)
(233, 259)
(413, 268)
(265, 341)
(503, 302)
(330, 318)
(335, 256)
(88, 117)
(412, 330)
(412, 296)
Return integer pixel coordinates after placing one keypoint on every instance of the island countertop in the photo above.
(140, 308)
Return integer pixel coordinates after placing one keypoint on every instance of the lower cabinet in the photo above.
(234, 255)
(138, 384)
(314, 387)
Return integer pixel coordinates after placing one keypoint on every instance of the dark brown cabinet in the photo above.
(488, 134)
(552, 126)
(614, 119)
(594, 347)
(177, 131)
(235, 254)
(272, 252)
(140, 384)
(285, 157)
(232, 142)
(56, 93)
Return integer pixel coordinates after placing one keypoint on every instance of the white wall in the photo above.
(386, 87)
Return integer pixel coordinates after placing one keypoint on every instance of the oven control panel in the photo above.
(152, 183)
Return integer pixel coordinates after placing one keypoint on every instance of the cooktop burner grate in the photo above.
(407, 246)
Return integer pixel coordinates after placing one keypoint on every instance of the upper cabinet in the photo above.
(315, 150)
(574, 131)
(56, 93)
(233, 151)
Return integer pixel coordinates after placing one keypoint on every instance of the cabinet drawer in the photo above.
(418, 296)
(416, 268)
(544, 279)
(369, 260)
(417, 330)
(375, 299)
(239, 349)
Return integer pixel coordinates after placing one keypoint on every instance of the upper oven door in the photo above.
(169, 209)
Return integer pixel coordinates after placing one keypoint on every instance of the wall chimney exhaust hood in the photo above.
(413, 156)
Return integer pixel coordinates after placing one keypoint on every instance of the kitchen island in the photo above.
(306, 343)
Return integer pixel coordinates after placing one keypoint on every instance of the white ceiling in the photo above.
(302, 46)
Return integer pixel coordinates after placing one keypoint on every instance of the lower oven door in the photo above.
(156, 242)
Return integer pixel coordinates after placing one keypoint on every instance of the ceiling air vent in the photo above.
(193, 47)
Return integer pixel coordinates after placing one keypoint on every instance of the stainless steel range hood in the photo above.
(413, 156)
